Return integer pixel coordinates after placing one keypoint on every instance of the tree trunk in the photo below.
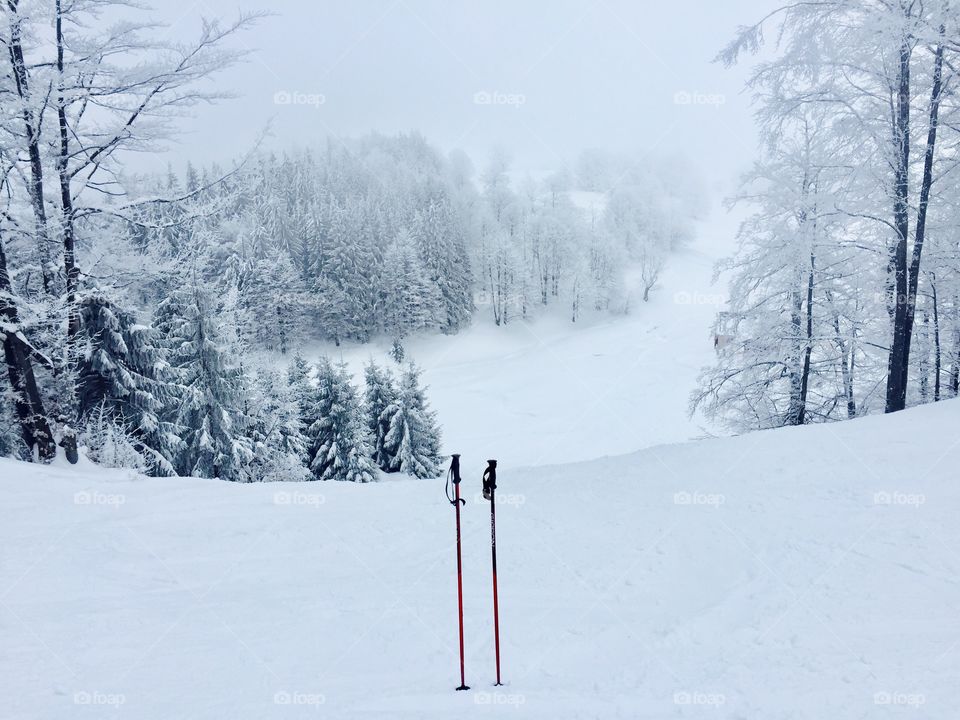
(937, 351)
(800, 417)
(897, 265)
(907, 278)
(846, 358)
(34, 427)
(32, 136)
(71, 272)
(955, 368)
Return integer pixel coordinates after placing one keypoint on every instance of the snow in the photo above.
(796, 574)
(548, 390)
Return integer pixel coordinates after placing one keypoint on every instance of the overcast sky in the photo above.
(542, 79)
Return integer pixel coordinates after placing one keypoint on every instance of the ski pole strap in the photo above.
(489, 479)
(453, 476)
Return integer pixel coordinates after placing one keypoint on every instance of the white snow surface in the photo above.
(791, 574)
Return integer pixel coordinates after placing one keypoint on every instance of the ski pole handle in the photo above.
(489, 479)
(454, 476)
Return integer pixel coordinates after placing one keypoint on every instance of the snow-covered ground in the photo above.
(796, 574)
(548, 390)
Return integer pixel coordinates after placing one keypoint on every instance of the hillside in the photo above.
(548, 390)
(747, 577)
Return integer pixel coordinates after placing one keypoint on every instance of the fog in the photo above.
(541, 80)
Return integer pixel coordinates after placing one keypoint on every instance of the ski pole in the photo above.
(489, 493)
(454, 476)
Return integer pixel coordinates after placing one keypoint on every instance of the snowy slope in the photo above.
(548, 390)
(712, 579)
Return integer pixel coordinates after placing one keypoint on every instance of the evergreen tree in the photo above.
(338, 444)
(396, 352)
(302, 391)
(209, 410)
(413, 440)
(411, 301)
(275, 430)
(333, 310)
(121, 375)
(441, 240)
(380, 394)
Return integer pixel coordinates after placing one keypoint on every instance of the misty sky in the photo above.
(541, 79)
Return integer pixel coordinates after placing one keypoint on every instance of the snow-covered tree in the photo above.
(411, 301)
(787, 359)
(338, 444)
(209, 411)
(884, 72)
(274, 427)
(380, 393)
(109, 442)
(412, 442)
(123, 378)
(440, 239)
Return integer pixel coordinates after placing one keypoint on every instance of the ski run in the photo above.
(710, 579)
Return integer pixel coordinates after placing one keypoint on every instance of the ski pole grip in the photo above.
(455, 467)
(490, 478)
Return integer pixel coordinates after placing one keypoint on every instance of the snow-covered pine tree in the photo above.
(333, 310)
(440, 239)
(122, 377)
(397, 352)
(413, 440)
(208, 411)
(379, 395)
(303, 392)
(338, 448)
(411, 300)
(275, 430)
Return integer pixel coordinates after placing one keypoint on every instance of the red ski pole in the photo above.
(454, 476)
(489, 493)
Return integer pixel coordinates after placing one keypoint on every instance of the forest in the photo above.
(156, 320)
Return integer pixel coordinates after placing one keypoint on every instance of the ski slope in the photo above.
(548, 390)
(804, 573)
